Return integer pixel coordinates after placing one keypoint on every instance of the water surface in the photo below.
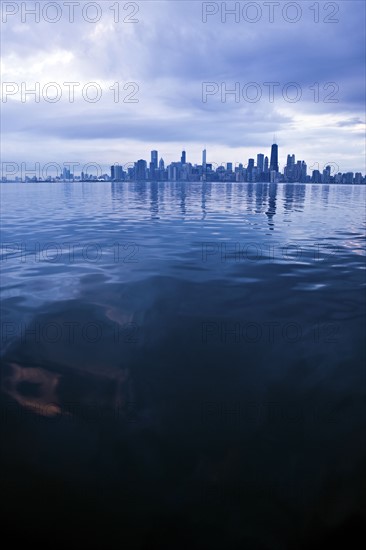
(184, 362)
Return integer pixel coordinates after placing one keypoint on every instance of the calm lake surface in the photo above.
(183, 363)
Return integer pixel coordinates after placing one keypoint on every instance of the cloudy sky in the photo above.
(151, 62)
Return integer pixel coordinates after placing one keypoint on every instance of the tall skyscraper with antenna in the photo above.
(274, 158)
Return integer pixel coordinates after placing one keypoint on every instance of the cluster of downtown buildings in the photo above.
(263, 170)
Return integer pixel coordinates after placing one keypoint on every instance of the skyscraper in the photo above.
(161, 172)
(297, 171)
(66, 174)
(260, 163)
(290, 161)
(250, 169)
(183, 157)
(316, 177)
(326, 174)
(274, 158)
(141, 168)
(290, 172)
(117, 172)
(154, 159)
(204, 161)
(303, 172)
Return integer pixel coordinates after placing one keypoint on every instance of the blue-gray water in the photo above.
(183, 363)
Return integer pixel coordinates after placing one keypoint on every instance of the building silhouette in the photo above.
(274, 158)
(154, 159)
(117, 173)
(260, 163)
(141, 170)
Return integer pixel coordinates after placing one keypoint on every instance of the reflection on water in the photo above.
(183, 363)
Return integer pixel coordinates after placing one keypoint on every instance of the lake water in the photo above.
(183, 363)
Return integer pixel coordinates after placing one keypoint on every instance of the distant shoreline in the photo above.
(201, 182)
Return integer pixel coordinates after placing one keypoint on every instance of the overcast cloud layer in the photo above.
(168, 55)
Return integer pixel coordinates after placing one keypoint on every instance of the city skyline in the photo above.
(263, 168)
